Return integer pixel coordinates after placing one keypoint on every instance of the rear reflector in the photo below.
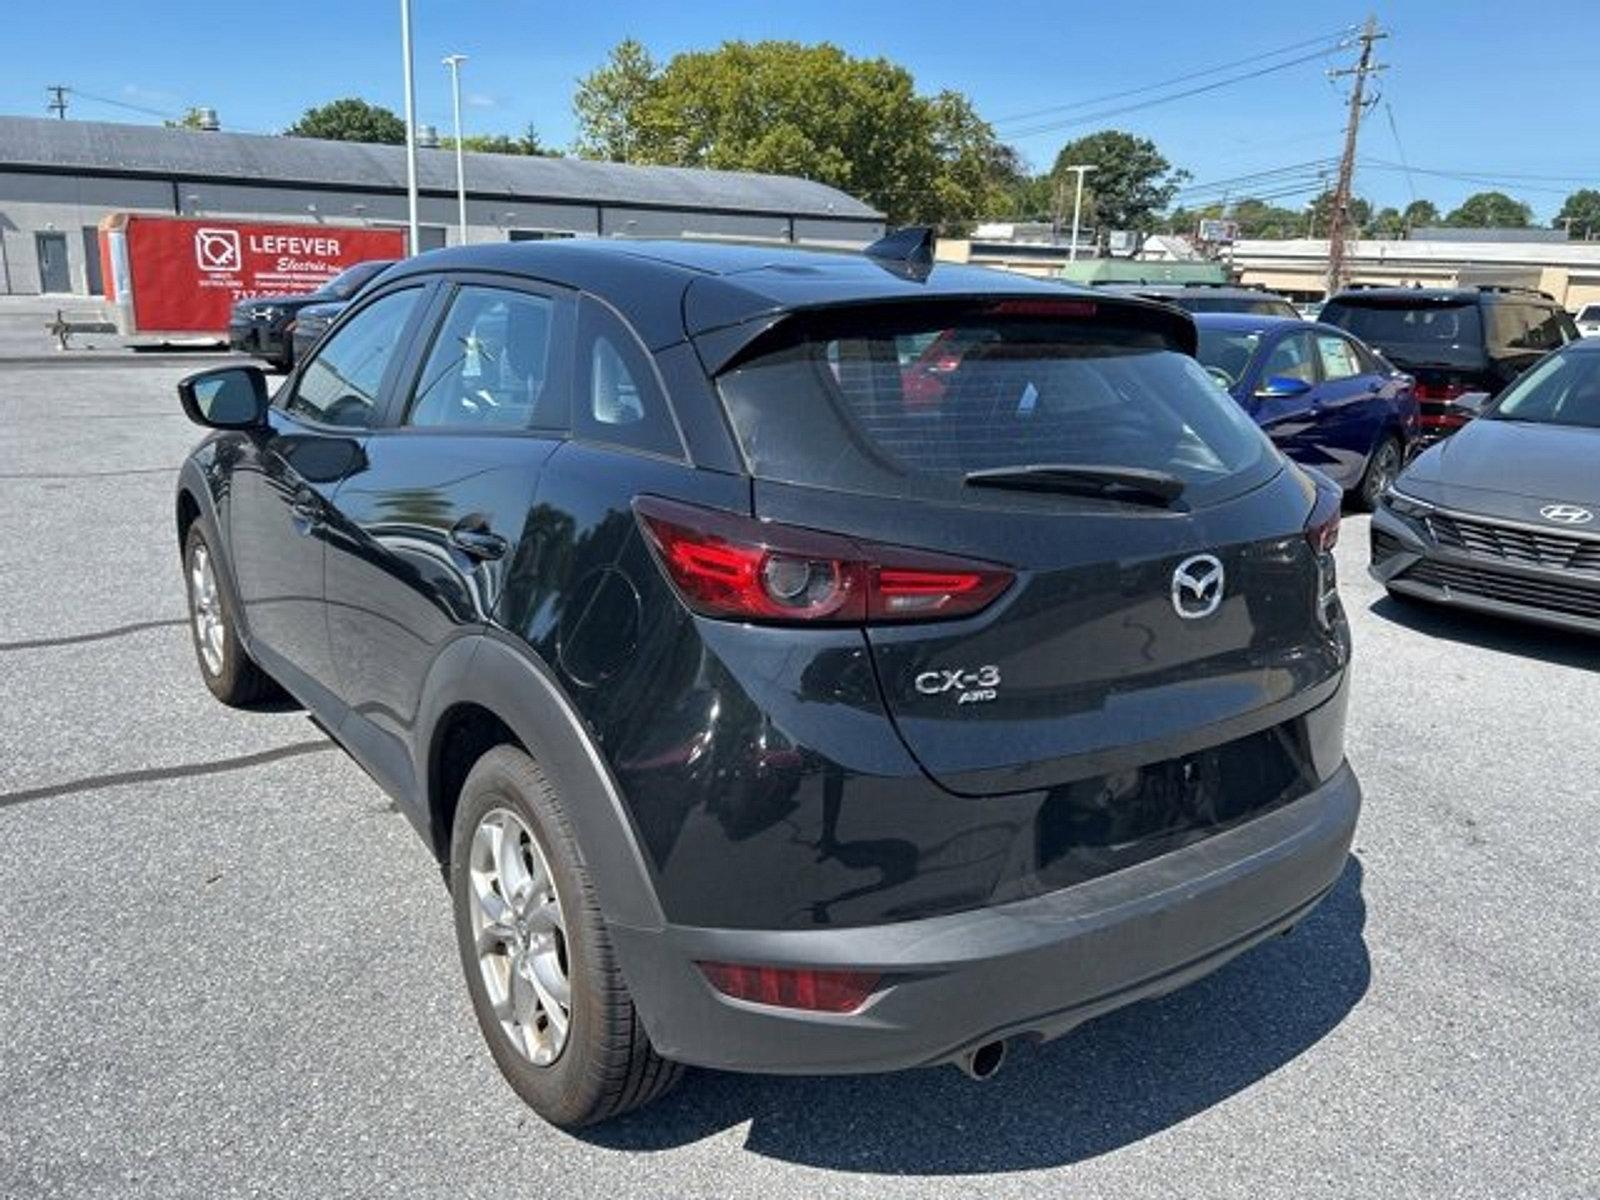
(726, 565)
(793, 987)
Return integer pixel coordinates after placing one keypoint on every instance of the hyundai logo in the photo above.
(1566, 514)
(1197, 586)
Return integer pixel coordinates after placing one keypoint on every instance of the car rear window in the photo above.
(1590, 312)
(1427, 333)
(866, 402)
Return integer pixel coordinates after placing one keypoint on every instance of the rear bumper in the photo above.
(1036, 967)
(1409, 563)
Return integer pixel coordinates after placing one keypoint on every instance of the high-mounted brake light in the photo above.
(726, 565)
(1044, 308)
(793, 987)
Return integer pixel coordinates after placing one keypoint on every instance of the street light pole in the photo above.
(411, 123)
(454, 61)
(1077, 209)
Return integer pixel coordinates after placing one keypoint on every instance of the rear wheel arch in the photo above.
(488, 691)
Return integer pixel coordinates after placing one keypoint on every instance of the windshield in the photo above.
(890, 408)
(1564, 389)
(1590, 313)
(1414, 335)
(1227, 351)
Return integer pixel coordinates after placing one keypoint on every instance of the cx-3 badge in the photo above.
(1197, 586)
(1566, 514)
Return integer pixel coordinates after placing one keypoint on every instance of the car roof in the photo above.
(668, 288)
(1226, 290)
(1248, 322)
(1392, 295)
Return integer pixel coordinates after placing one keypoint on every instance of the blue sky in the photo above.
(1470, 90)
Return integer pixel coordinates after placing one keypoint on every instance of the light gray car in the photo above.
(1504, 517)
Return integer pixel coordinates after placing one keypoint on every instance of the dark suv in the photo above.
(765, 715)
(1454, 341)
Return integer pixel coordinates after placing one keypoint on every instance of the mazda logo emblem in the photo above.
(1197, 586)
(1566, 514)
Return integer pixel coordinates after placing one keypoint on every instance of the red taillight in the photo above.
(793, 987)
(731, 566)
(1322, 527)
(1439, 393)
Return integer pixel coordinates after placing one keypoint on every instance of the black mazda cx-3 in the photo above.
(782, 697)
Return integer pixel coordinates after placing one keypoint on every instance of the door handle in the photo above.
(474, 538)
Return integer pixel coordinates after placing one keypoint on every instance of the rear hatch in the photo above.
(1075, 446)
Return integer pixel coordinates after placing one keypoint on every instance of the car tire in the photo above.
(510, 826)
(1383, 468)
(229, 672)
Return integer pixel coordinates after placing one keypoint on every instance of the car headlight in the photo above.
(1406, 506)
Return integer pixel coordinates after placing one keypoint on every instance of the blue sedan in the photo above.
(1323, 397)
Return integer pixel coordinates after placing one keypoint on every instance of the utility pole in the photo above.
(58, 99)
(1339, 218)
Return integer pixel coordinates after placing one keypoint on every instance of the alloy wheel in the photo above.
(205, 602)
(520, 936)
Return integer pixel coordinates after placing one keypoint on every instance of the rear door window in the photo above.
(492, 365)
(1339, 357)
(872, 402)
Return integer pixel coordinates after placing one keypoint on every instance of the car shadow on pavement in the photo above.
(1555, 646)
(1110, 1083)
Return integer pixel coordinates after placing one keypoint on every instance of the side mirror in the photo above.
(226, 398)
(1282, 386)
(1472, 402)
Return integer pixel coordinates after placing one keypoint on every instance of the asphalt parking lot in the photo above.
(228, 965)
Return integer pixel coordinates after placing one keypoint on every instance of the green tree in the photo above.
(1582, 210)
(190, 120)
(608, 101)
(1388, 223)
(1131, 181)
(502, 143)
(1420, 214)
(1359, 215)
(350, 120)
(1490, 210)
(807, 110)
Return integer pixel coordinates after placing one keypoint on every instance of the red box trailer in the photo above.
(182, 275)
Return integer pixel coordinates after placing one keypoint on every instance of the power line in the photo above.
(1411, 181)
(1276, 175)
(1510, 182)
(149, 112)
(1176, 79)
(1104, 114)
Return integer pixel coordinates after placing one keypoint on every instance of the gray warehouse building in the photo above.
(59, 178)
